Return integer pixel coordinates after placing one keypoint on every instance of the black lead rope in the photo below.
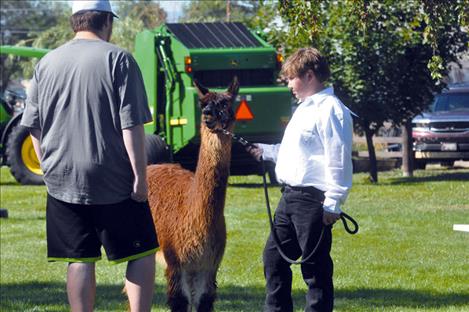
(272, 226)
(343, 216)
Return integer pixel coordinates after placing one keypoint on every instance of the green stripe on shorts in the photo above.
(81, 260)
(134, 257)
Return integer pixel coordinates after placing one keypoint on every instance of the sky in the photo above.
(173, 8)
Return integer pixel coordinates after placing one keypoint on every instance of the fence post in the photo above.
(407, 152)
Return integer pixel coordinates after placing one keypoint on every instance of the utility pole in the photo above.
(228, 10)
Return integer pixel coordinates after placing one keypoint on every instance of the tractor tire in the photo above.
(156, 149)
(21, 157)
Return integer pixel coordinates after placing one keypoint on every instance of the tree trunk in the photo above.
(407, 151)
(371, 155)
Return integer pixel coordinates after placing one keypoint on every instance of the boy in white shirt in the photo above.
(314, 164)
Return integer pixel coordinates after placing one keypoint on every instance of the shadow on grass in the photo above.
(372, 298)
(15, 297)
(9, 183)
(234, 298)
(450, 176)
(53, 296)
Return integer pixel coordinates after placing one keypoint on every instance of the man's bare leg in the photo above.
(81, 286)
(140, 282)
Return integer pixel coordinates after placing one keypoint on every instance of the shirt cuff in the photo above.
(267, 152)
(331, 205)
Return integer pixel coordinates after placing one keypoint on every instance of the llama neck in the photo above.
(211, 176)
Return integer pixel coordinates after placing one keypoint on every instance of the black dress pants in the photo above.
(298, 224)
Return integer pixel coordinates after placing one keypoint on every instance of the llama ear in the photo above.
(234, 87)
(201, 90)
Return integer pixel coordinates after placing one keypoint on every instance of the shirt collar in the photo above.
(316, 97)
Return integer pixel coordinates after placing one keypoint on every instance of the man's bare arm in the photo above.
(134, 141)
(36, 138)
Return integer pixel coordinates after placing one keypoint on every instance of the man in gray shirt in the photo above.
(86, 108)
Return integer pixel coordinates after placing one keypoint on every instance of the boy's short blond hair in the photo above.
(303, 60)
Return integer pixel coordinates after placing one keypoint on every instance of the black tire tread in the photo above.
(156, 149)
(13, 157)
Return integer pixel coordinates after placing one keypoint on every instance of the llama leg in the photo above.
(177, 300)
(187, 285)
(205, 294)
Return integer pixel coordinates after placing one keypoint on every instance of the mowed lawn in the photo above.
(406, 256)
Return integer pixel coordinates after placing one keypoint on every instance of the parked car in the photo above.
(442, 133)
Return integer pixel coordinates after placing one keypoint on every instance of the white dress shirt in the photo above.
(316, 149)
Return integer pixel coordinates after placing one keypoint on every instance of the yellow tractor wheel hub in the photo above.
(28, 155)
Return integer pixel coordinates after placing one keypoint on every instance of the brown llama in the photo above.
(187, 208)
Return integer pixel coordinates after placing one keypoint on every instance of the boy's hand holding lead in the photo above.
(329, 218)
(255, 150)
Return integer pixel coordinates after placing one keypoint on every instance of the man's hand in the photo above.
(255, 151)
(36, 138)
(140, 190)
(329, 218)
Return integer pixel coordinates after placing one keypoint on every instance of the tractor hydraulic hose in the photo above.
(169, 86)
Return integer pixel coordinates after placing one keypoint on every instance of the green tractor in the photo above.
(16, 146)
(171, 57)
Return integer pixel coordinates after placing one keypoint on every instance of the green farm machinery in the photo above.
(16, 147)
(171, 56)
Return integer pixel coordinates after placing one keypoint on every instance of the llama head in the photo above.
(217, 112)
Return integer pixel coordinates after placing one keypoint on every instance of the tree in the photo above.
(441, 39)
(305, 20)
(357, 49)
(267, 23)
(50, 38)
(134, 16)
(22, 21)
(216, 11)
(337, 29)
(385, 55)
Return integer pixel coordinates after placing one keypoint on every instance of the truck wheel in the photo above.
(21, 157)
(447, 163)
(156, 148)
(420, 164)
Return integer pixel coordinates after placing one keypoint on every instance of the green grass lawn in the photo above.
(406, 256)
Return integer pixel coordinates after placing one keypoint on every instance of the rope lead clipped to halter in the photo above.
(343, 216)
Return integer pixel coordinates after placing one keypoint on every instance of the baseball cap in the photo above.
(94, 5)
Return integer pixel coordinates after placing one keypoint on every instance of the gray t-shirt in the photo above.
(81, 97)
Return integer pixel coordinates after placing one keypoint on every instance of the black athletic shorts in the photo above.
(75, 233)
